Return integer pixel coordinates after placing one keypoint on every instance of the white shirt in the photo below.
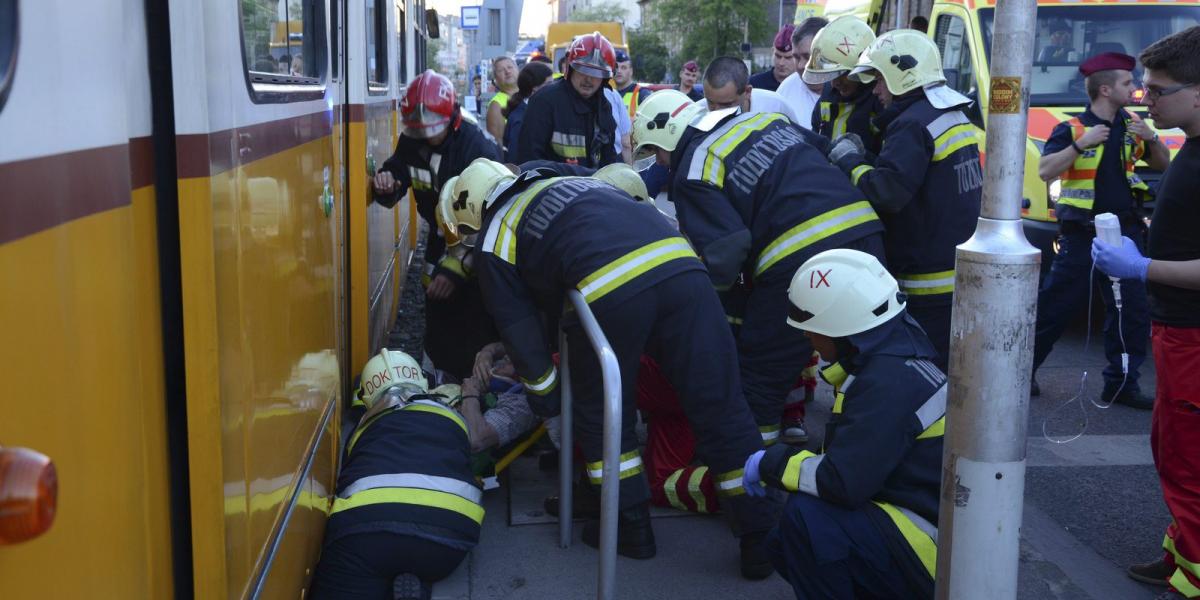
(802, 100)
(766, 101)
(620, 115)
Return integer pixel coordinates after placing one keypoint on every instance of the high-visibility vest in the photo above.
(1079, 182)
(631, 100)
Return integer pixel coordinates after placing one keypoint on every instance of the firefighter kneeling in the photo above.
(407, 505)
(864, 520)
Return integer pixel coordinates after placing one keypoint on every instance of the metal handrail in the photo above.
(610, 483)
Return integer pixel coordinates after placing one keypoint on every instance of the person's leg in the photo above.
(1064, 290)
(695, 350)
(364, 566)
(771, 355)
(625, 333)
(1175, 442)
(671, 447)
(829, 552)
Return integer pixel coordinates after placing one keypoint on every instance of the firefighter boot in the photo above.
(756, 564)
(585, 501)
(635, 538)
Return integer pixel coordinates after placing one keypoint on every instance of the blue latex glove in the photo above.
(1123, 262)
(750, 478)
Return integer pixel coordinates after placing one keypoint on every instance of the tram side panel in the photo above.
(82, 356)
(261, 265)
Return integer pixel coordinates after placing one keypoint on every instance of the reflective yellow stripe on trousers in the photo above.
(920, 534)
(927, 284)
(630, 465)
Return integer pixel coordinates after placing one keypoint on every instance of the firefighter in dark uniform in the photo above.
(845, 105)
(570, 120)
(407, 509)
(756, 199)
(1093, 156)
(926, 182)
(436, 144)
(537, 236)
(862, 518)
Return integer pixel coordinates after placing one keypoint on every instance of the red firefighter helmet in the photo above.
(428, 105)
(593, 55)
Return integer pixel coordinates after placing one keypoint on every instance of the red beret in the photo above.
(691, 66)
(1107, 62)
(783, 39)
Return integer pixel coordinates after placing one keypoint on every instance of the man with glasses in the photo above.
(1171, 270)
(1092, 156)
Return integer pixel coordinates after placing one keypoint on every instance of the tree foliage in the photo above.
(649, 55)
(604, 12)
(706, 29)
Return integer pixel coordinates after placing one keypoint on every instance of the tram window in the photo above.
(285, 48)
(377, 62)
(335, 22)
(8, 45)
(401, 49)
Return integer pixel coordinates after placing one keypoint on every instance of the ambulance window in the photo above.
(952, 42)
(285, 47)
(377, 71)
(8, 45)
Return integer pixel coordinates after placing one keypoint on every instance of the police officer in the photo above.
(632, 92)
(926, 182)
(537, 236)
(861, 521)
(570, 120)
(845, 105)
(1092, 156)
(436, 144)
(756, 200)
(407, 504)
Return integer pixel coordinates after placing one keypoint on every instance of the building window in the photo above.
(284, 47)
(376, 28)
(8, 45)
(495, 33)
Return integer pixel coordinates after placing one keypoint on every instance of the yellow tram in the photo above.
(190, 270)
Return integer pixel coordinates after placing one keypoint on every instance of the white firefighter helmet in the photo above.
(842, 292)
(388, 369)
(464, 197)
(624, 178)
(836, 48)
(906, 59)
(662, 119)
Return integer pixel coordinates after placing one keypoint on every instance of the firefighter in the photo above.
(570, 120)
(1093, 156)
(407, 508)
(756, 199)
(632, 92)
(845, 105)
(861, 521)
(436, 144)
(537, 236)
(926, 182)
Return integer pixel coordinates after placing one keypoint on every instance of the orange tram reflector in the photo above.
(28, 494)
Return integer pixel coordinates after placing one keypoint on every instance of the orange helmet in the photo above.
(593, 55)
(428, 105)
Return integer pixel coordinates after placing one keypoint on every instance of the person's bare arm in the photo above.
(1178, 273)
(1054, 165)
(482, 434)
(495, 121)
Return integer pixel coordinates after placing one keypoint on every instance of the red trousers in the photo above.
(671, 447)
(1175, 442)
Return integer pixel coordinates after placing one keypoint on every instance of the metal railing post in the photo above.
(566, 451)
(610, 481)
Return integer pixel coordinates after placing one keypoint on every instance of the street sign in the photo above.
(469, 17)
